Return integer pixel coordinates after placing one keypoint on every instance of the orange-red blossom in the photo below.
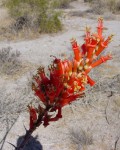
(68, 78)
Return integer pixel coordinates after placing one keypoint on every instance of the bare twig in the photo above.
(5, 136)
(106, 117)
(111, 94)
(116, 142)
(12, 145)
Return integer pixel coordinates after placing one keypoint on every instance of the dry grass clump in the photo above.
(35, 15)
(113, 5)
(101, 6)
(82, 138)
(9, 61)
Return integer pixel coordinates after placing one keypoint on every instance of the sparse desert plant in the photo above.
(66, 81)
(61, 3)
(50, 25)
(9, 61)
(113, 5)
(88, 1)
(81, 137)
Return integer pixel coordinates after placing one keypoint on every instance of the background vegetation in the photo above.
(41, 15)
(102, 6)
(35, 14)
(61, 3)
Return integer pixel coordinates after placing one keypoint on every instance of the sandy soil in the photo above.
(91, 123)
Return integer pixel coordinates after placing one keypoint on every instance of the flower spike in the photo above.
(66, 80)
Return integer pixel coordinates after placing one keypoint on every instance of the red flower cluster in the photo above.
(68, 78)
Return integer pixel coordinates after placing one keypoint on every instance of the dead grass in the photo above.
(82, 138)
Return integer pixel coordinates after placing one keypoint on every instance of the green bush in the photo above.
(35, 13)
(51, 24)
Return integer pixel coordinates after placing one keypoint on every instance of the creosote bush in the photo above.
(9, 61)
(34, 14)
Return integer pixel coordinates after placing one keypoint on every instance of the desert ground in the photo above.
(90, 123)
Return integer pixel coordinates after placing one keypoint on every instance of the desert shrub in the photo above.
(102, 6)
(118, 6)
(82, 137)
(9, 61)
(99, 6)
(51, 24)
(88, 0)
(34, 14)
(113, 5)
(61, 3)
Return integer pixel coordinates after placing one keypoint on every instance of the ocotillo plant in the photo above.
(67, 79)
